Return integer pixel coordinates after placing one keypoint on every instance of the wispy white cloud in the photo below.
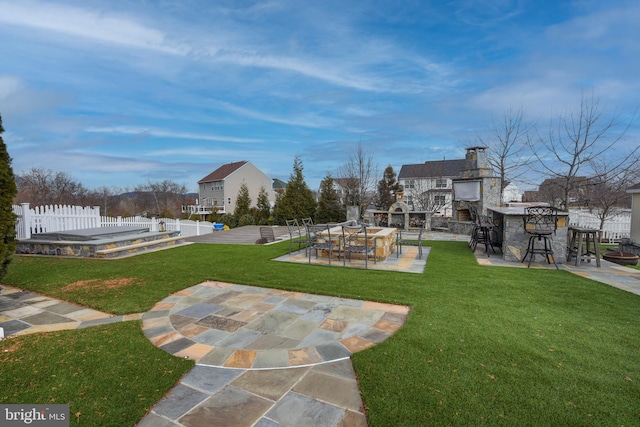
(148, 131)
(85, 23)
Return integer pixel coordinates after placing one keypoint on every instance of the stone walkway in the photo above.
(265, 357)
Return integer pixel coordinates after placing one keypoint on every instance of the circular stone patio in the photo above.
(246, 327)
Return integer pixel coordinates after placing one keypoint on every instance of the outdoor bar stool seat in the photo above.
(583, 243)
(355, 239)
(540, 223)
(409, 239)
(484, 230)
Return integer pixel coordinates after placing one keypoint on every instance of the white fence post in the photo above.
(26, 221)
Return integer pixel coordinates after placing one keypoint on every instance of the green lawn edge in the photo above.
(481, 346)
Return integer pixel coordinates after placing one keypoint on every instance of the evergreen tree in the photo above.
(7, 218)
(329, 206)
(297, 200)
(243, 201)
(387, 187)
(263, 210)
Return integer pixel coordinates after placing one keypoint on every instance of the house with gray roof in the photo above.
(428, 186)
(218, 190)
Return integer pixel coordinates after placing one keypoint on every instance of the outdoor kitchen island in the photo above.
(512, 238)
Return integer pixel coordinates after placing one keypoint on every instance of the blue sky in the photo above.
(121, 93)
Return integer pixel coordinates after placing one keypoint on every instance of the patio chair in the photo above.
(483, 233)
(403, 238)
(295, 234)
(355, 239)
(307, 221)
(540, 222)
(319, 238)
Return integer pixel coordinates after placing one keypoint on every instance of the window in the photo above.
(441, 183)
(409, 183)
(229, 200)
(440, 200)
(217, 185)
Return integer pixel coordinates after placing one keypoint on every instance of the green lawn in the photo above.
(482, 345)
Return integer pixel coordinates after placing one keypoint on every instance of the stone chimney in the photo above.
(477, 163)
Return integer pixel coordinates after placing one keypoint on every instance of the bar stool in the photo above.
(540, 222)
(583, 243)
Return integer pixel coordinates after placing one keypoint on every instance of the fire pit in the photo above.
(621, 258)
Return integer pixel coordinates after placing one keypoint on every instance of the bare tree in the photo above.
(507, 141)
(361, 175)
(41, 187)
(575, 140)
(607, 196)
(163, 198)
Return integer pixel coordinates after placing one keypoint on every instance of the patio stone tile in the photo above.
(391, 308)
(340, 368)
(216, 357)
(64, 308)
(154, 420)
(273, 299)
(271, 359)
(356, 344)
(353, 419)
(222, 323)
(223, 297)
(164, 306)
(332, 351)
(13, 326)
(319, 337)
(273, 342)
(355, 329)
(195, 352)
(248, 315)
(241, 359)
(210, 379)
(228, 408)
(158, 331)
(297, 410)
(209, 336)
(266, 422)
(191, 330)
(86, 315)
(298, 306)
(155, 314)
(273, 322)
(179, 401)
(100, 321)
(299, 329)
(46, 319)
(244, 301)
(200, 310)
(239, 339)
(178, 321)
(163, 339)
(394, 317)
(304, 356)
(176, 346)
(22, 311)
(270, 384)
(386, 326)
(356, 314)
(334, 325)
(330, 389)
(375, 336)
(9, 304)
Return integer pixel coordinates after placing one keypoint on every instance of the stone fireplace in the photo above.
(477, 186)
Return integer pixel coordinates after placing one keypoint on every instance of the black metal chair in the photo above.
(295, 234)
(319, 238)
(403, 238)
(540, 222)
(355, 239)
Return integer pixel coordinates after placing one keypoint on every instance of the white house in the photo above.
(218, 190)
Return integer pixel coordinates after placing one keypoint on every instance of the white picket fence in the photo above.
(43, 219)
(615, 228)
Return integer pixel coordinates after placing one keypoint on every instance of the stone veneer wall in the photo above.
(518, 241)
(626, 245)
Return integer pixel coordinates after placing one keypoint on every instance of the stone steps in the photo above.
(136, 248)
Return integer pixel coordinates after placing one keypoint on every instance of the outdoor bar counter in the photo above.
(509, 228)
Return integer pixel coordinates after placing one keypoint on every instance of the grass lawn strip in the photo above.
(109, 375)
(482, 345)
